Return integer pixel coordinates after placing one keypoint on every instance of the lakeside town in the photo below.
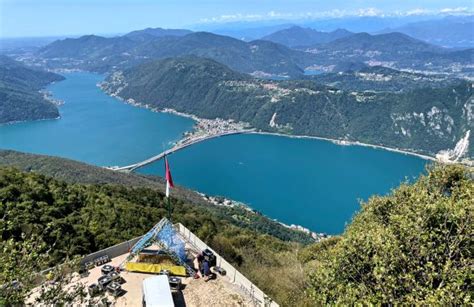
(205, 128)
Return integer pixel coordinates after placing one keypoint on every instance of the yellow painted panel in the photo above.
(155, 268)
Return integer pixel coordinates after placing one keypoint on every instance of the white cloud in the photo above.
(417, 11)
(336, 13)
(371, 12)
(457, 10)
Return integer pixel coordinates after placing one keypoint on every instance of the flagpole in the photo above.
(169, 209)
(169, 184)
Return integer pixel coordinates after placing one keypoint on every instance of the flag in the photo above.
(169, 179)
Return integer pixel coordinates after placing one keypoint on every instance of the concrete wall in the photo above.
(259, 297)
(113, 251)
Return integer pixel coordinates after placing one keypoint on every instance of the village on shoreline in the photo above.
(208, 127)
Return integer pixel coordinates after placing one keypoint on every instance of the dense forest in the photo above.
(413, 246)
(427, 117)
(20, 99)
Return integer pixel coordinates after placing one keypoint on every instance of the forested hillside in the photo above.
(400, 112)
(411, 247)
(20, 99)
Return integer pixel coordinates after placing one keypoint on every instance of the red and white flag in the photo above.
(169, 179)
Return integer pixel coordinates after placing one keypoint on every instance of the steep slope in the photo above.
(20, 98)
(300, 37)
(259, 57)
(423, 119)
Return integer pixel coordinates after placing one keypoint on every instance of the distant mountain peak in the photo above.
(297, 36)
(156, 32)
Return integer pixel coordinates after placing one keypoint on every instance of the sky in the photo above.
(30, 18)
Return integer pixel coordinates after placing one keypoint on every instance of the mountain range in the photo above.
(103, 54)
(260, 57)
(19, 92)
(442, 30)
(426, 118)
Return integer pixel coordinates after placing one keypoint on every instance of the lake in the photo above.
(95, 128)
(309, 182)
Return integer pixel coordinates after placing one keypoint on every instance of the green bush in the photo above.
(414, 246)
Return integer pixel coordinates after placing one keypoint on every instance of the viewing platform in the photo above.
(227, 287)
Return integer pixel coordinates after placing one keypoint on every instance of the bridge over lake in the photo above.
(179, 146)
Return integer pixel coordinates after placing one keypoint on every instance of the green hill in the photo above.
(427, 116)
(357, 77)
(20, 99)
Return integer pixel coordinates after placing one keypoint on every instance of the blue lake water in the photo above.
(95, 128)
(313, 183)
(308, 182)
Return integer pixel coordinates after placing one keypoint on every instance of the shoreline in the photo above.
(347, 143)
(339, 142)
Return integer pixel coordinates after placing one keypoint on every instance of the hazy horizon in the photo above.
(56, 18)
